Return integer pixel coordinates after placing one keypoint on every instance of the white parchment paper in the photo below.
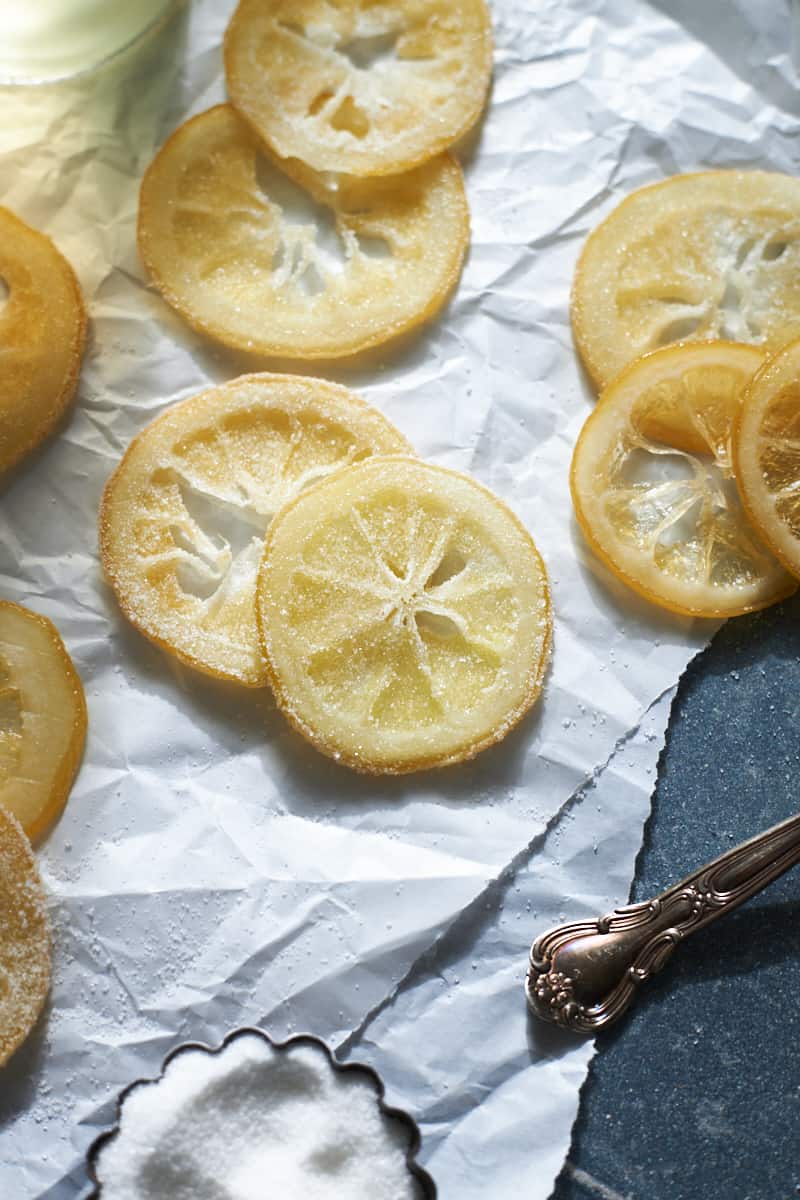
(210, 869)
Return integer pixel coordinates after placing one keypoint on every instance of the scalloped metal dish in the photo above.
(426, 1185)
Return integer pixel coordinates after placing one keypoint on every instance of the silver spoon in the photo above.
(584, 975)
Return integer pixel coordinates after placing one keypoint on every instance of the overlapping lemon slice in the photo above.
(42, 719)
(255, 260)
(358, 87)
(404, 614)
(24, 938)
(183, 517)
(42, 334)
(653, 487)
(711, 255)
(767, 454)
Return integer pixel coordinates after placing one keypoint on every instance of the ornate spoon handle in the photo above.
(585, 975)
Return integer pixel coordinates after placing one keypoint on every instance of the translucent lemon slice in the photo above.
(42, 719)
(42, 334)
(24, 938)
(257, 261)
(183, 517)
(712, 255)
(404, 615)
(767, 454)
(358, 87)
(653, 487)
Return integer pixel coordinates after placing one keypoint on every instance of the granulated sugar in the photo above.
(252, 1122)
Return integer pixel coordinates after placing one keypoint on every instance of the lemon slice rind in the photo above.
(244, 449)
(42, 337)
(681, 541)
(762, 454)
(404, 614)
(231, 255)
(42, 719)
(25, 951)
(298, 73)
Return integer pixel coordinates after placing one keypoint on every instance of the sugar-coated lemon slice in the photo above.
(42, 335)
(653, 487)
(404, 614)
(767, 454)
(711, 255)
(358, 87)
(303, 268)
(183, 517)
(24, 938)
(42, 719)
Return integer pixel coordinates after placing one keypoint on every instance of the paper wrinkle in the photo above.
(499, 1116)
(211, 870)
(478, 917)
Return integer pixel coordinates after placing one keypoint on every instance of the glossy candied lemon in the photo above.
(42, 719)
(710, 255)
(653, 488)
(404, 615)
(183, 517)
(357, 87)
(304, 268)
(42, 336)
(24, 938)
(767, 454)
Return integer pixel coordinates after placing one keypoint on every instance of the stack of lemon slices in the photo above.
(277, 530)
(321, 212)
(42, 732)
(686, 477)
(42, 706)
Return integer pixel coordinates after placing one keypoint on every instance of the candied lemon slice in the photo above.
(358, 87)
(183, 517)
(711, 255)
(653, 487)
(767, 454)
(404, 614)
(24, 938)
(42, 719)
(257, 261)
(42, 335)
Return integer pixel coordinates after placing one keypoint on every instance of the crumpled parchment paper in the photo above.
(210, 869)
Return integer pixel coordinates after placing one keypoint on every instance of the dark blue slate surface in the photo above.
(696, 1094)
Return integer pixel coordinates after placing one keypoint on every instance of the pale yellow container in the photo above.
(47, 40)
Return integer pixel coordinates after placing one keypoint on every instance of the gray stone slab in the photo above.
(697, 1092)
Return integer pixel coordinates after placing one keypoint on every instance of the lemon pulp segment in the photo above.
(703, 256)
(356, 87)
(42, 719)
(653, 486)
(183, 517)
(254, 259)
(767, 454)
(42, 335)
(404, 614)
(24, 938)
